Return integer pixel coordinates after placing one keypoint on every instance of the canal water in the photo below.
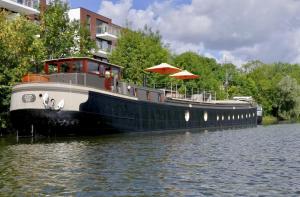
(262, 161)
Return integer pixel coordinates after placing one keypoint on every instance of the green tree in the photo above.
(288, 92)
(20, 49)
(211, 73)
(62, 37)
(137, 50)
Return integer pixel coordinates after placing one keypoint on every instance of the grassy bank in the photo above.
(268, 120)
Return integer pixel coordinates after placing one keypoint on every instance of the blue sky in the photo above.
(235, 30)
(94, 5)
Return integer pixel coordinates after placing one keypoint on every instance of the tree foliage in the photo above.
(137, 50)
(20, 49)
(62, 37)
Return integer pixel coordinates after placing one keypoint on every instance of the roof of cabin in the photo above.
(80, 58)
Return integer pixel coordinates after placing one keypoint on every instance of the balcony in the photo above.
(107, 32)
(26, 7)
(104, 50)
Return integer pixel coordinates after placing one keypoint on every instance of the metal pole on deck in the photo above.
(171, 91)
(215, 95)
(176, 91)
(185, 92)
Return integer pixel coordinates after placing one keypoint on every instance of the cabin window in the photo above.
(64, 68)
(159, 97)
(115, 71)
(77, 66)
(93, 67)
(102, 70)
(52, 68)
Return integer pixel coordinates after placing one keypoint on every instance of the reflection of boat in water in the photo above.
(83, 95)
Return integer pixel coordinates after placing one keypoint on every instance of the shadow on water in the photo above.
(255, 161)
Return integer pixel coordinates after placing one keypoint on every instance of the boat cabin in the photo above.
(93, 72)
(82, 65)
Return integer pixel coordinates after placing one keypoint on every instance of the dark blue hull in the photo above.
(106, 114)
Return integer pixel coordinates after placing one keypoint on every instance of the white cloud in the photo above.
(268, 30)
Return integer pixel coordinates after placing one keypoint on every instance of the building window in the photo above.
(99, 24)
(148, 95)
(88, 22)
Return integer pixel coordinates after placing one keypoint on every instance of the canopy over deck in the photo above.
(184, 75)
(163, 68)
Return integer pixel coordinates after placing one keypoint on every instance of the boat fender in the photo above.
(45, 99)
(60, 105)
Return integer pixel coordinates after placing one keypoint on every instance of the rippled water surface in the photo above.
(248, 162)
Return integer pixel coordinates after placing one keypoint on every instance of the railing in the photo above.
(171, 91)
(176, 91)
(108, 29)
(29, 3)
(94, 81)
(107, 49)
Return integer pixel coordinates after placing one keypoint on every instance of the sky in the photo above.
(233, 30)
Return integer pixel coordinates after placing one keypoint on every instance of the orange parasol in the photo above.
(184, 75)
(163, 68)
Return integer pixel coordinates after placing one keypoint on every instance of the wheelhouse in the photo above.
(82, 65)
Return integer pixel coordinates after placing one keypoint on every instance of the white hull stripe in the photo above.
(65, 88)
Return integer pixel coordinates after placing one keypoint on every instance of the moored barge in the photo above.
(87, 96)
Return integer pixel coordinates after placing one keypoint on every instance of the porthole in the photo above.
(249, 115)
(205, 116)
(246, 115)
(222, 117)
(242, 116)
(232, 117)
(187, 116)
(228, 117)
(238, 117)
(218, 117)
(253, 114)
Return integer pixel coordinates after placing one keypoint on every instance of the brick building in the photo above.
(103, 31)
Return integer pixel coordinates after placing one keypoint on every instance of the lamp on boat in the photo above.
(184, 75)
(163, 68)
